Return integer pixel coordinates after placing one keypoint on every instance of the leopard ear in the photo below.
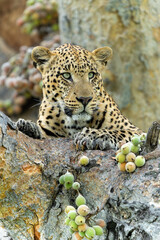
(40, 55)
(102, 54)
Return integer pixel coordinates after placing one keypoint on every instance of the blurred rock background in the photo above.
(130, 28)
(24, 25)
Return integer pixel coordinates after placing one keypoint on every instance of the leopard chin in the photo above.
(82, 117)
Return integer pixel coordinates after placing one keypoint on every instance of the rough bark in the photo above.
(132, 29)
(32, 202)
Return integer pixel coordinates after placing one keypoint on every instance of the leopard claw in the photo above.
(83, 147)
(80, 147)
(77, 147)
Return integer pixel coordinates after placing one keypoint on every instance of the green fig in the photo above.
(84, 160)
(68, 177)
(130, 157)
(130, 167)
(134, 149)
(73, 225)
(67, 220)
(61, 179)
(139, 161)
(136, 140)
(98, 230)
(126, 148)
(143, 136)
(90, 232)
(72, 214)
(80, 200)
(76, 185)
(83, 210)
(82, 234)
(69, 208)
(67, 185)
(79, 220)
(120, 157)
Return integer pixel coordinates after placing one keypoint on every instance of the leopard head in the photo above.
(72, 77)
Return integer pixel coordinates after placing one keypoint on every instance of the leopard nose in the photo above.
(84, 100)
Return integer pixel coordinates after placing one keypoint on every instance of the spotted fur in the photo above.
(75, 103)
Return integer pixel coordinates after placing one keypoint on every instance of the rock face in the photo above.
(32, 202)
(131, 29)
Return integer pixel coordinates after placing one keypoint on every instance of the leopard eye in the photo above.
(91, 75)
(66, 75)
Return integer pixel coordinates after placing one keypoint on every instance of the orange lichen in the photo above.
(2, 164)
(2, 157)
(36, 232)
(31, 169)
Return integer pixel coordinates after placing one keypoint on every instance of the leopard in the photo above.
(75, 104)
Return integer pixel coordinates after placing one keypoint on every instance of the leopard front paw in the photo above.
(29, 128)
(93, 139)
(83, 140)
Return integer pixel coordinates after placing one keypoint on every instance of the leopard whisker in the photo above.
(35, 105)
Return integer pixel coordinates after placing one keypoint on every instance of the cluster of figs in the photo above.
(78, 216)
(128, 157)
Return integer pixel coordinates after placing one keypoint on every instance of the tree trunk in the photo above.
(32, 202)
(132, 29)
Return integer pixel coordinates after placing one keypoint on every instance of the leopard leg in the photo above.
(29, 128)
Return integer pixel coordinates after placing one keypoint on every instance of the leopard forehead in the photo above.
(73, 57)
(73, 51)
